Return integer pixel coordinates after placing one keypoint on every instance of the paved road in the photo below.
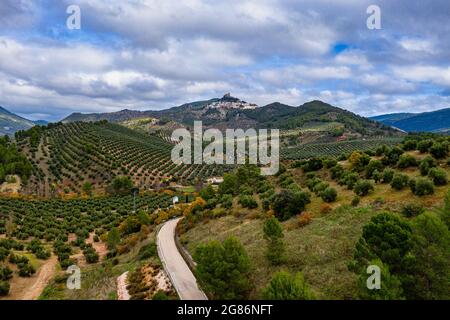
(179, 273)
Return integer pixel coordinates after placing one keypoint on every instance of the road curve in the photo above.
(179, 273)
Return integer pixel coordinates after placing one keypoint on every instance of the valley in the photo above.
(100, 191)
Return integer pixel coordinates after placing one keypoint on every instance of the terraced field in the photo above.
(53, 219)
(35, 235)
(335, 149)
(68, 155)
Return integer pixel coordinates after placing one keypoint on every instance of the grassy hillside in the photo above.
(320, 238)
(285, 117)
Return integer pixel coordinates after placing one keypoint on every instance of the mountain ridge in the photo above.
(432, 121)
(11, 122)
(231, 112)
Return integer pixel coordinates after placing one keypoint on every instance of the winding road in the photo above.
(179, 273)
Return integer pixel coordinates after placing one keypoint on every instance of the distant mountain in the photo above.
(392, 117)
(434, 121)
(40, 122)
(10, 122)
(109, 116)
(231, 112)
(213, 109)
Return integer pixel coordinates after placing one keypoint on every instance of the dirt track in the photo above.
(31, 288)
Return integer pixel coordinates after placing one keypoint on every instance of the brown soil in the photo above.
(31, 288)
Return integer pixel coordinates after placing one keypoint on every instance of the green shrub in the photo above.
(391, 286)
(91, 255)
(399, 181)
(247, 201)
(43, 254)
(409, 145)
(147, 251)
(373, 166)
(349, 179)
(392, 156)
(329, 194)
(363, 187)
(319, 187)
(439, 176)
(4, 288)
(313, 164)
(160, 295)
(412, 210)
(273, 233)
(121, 185)
(5, 273)
(329, 163)
(377, 176)
(355, 201)
(25, 269)
(424, 145)
(223, 269)
(431, 272)
(13, 258)
(439, 150)
(4, 253)
(426, 164)
(208, 193)
(284, 286)
(386, 237)
(311, 183)
(406, 161)
(337, 172)
(388, 174)
(226, 201)
(422, 187)
(287, 203)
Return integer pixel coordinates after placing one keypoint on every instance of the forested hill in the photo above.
(230, 112)
(435, 121)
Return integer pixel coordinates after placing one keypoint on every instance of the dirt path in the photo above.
(31, 288)
(122, 292)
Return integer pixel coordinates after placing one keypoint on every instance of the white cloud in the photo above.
(288, 76)
(164, 53)
(386, 83)
(434, 74)
(418, 45)
(354, 57)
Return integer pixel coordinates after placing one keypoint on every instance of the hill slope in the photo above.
(435, 121)
(65, 156)
(231, 112)
(10, 122)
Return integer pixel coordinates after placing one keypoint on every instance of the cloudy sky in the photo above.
(155, 54)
